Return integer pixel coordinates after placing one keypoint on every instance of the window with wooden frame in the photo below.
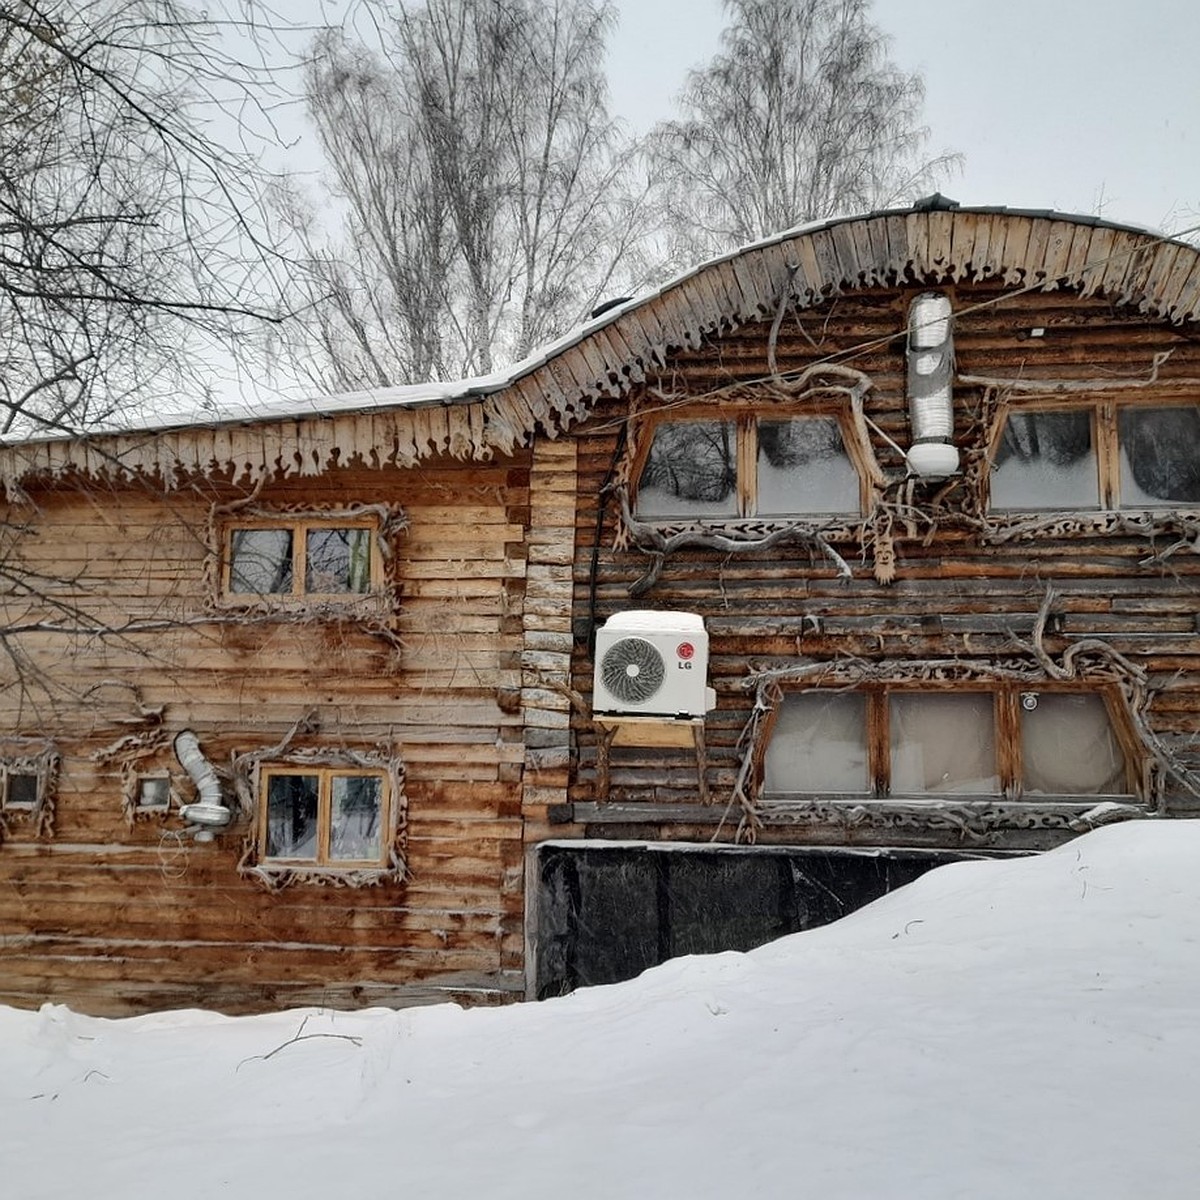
(22, 787)
(324, 816)
(759, 464)
(28, 786)
(977, 740)
(331, 559)
(152, 792)
(1099, 455)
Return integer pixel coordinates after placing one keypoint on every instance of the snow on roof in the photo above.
(464, 391)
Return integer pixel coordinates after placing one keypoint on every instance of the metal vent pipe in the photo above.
(208, 812)
(930, 386)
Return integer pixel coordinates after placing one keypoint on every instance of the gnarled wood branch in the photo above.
(659, 547)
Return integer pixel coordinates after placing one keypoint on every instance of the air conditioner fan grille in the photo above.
(632, 670)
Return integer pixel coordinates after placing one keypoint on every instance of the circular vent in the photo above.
(632, 670)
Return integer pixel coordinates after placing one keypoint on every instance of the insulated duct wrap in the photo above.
(930, 386)
(208, 811)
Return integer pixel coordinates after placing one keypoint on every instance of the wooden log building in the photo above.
(298, 705)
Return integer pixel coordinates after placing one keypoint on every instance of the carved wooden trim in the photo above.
(246, 772)
(1086, 661)
(372, 612)
(38, 757)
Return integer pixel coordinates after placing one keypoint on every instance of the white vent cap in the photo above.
(933, 460)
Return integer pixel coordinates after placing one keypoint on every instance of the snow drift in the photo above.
(997, 1029)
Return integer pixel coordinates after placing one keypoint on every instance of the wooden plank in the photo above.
(1016, 247)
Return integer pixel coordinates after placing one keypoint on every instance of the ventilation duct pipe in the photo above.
(208, 813)
(930, 387)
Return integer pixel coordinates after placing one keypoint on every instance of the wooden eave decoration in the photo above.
(551, 392)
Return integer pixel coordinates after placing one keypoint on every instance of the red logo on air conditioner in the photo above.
(685, 650)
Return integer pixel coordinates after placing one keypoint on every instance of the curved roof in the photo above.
(934, 242)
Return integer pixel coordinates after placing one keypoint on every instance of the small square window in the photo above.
(691, 471)
(337, 561)
(1069, 747)
(803, 468)
(1160, 456)
(260, 562)
(154, 792)
(21, 790)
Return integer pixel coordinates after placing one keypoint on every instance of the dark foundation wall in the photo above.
(601, 914)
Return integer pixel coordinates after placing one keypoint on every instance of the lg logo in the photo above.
(684, 654)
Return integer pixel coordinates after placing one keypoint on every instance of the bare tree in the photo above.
(800, 117)
(129, 242)
(484, 189)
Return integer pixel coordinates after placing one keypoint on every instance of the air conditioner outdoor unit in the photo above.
(652, 664)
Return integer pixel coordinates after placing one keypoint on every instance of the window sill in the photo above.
(374, 607)
(971, 813)
(277, 875)
(836, 526)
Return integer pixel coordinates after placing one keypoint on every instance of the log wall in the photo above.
(958, 594)
(115, 917)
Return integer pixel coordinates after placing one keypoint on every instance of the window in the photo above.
(750, 466)
(324, 816)
(819, 744)
(28, 781)
(21, 788)
(153, 793)
(302, 558)
(973, 741)
(942, 742)
(1101, 455)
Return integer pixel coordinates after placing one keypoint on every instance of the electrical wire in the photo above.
(861, 349)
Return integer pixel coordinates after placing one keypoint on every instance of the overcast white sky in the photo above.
(1078, 105)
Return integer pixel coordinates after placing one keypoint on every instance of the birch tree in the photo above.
(484, 189)
(129, 241)
(801, 116)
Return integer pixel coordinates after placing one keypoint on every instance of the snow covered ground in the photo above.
(1007, 1029)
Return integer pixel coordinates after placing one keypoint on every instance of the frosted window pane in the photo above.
(292, 816)
(819, 744)
(943, 742)
(261, 561)
(154, 792)
(1046, 460)
(338, 560)
(691, 471)
(356, 804)
(1068, 748)
(803, 468)
(1160, 456)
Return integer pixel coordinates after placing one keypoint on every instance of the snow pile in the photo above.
(1001, 1029)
